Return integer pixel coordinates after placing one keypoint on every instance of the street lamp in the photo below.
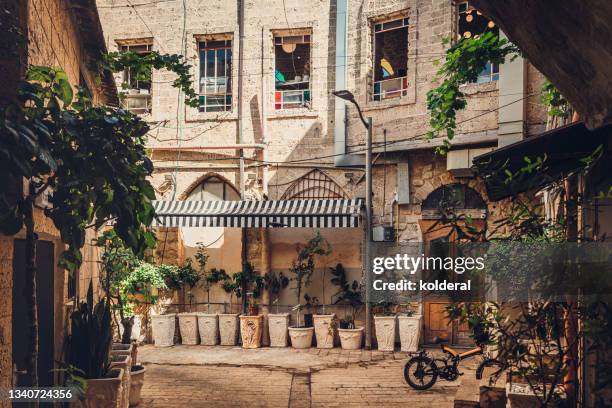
(348, 96)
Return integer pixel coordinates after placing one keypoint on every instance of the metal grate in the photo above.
(314, 184)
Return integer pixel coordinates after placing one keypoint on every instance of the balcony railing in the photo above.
(390, 88)
(290, 99)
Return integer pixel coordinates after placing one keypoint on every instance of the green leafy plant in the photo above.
(465, 60)
(557, 105)
(275, 283)
(348, 293)
(142, 65)
(303, 266)
(89, 343)
(248, 282)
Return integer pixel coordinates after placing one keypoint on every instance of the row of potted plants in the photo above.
(213, 329)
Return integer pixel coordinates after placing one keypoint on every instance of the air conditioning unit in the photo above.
(459, 162)
(383, 233)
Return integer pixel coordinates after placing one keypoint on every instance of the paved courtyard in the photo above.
(204, 376)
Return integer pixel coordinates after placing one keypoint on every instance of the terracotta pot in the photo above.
(163, 329)
(385, 332)
(136, 383)
(102, 392)
(134, 352)
(124, 362)
(251, 328)
(208, 327)
(410, 332)
(277, 328)
(228, 328)
(188, 326)
(301, 337)
(325, 330)
(350, 339)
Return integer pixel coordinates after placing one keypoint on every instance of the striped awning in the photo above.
(259, 214)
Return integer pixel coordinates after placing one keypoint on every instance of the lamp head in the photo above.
(344, 94)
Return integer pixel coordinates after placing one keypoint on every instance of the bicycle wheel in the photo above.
(490, 362)
(420, 372)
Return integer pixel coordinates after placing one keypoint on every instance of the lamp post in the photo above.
(348, 96)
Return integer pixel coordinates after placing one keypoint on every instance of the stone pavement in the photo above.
(205, 376)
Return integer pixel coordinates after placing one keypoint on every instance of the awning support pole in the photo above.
(368, 238)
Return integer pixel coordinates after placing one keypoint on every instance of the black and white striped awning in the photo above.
(259, 214)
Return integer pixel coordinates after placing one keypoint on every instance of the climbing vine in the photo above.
(465, 60)
(141, 67)
(555, 102)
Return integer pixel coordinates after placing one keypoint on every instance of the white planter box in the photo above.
(163, 329)
(385, 332)
(278, 325)
(350, 339)
(102, 392)
(188, 326)
(136, 383)
(325, 330)
(228, 328)
(410, 332)
(123, 362)
(208, 327)
(301, 337)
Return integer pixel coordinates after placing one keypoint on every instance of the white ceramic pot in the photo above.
(188, 326)
(228, 328)
(301, 337)
(350, 339)
(277, 326)
(410, 332)
(102, 392)
(251, 328)
(385, 332)
(136, 383)
(325, 330)
(208, 327)
(163, 329)
(124, 362)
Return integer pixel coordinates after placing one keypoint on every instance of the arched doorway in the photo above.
(458, 201)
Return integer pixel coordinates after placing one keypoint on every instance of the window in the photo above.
(214, 189)
(137, 98)
(216, 75)
(471, 23)
(292, 71)
(390, 59)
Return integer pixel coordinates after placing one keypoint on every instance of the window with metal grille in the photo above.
(216, 75)
(472, 23)
(137, 85)
(390, 59)
(292, 71)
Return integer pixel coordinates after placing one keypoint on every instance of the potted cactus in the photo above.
(349, 294)
(87, 351)
(278, 323)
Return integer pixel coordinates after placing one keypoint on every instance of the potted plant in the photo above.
(385, 327)
(301, 336)
(409, 330)
(324, 324)
(178, 278)
(208, 323)
(87, 351)
(249, 283)
(137, 373)
(228, 322)
(350, 335)
(278, 323)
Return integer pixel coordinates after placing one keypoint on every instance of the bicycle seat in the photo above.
(456, 353)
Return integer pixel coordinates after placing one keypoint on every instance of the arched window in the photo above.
(213, 189)
(316, 185)
(452, 197)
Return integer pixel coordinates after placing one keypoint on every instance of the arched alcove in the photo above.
(314, 185)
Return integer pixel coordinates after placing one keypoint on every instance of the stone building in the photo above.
(268, 126)
(66, 35)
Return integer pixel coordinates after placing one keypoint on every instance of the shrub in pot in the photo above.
(136, 383)
(348, 294)
(385, 324)
(278, 323)
(228, 322)
(87, 351)
(302, 269)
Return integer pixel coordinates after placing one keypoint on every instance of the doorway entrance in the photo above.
(44, 293)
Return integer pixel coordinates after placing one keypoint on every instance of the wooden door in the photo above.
(437, 328)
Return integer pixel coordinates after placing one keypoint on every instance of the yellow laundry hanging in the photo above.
(386, 66)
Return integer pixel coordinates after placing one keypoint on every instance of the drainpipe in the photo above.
(240, 79)
(264, 125)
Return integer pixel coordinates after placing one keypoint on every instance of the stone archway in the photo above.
(314, 185)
